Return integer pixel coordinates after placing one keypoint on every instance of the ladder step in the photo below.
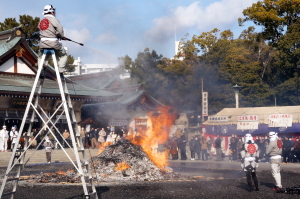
(12, 179)
(8, 193)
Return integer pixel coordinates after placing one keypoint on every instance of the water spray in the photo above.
(72, 41)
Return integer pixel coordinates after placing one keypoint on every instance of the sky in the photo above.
(112, 29)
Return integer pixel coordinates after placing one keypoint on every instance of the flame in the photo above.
(102, 146)
(157, 133)
(121, 166)
(60, 172)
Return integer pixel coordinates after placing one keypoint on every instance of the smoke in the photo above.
(101, 56)
(107, 38)
(221, 15)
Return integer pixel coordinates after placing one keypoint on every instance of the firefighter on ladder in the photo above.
(51, 32)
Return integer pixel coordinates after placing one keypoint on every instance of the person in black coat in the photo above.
(182, 146)
(192, 148)
(286, 149)
(198, 147)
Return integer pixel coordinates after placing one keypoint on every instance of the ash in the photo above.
(136, 165)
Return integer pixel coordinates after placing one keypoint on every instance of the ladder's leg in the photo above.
(77, 135)
(9, 167)
(66, 106)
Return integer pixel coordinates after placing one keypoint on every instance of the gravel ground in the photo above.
(185, 188)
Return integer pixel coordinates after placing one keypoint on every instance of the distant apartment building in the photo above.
(82, 69)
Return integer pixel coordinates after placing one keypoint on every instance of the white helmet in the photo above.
(273, 135)
(48, 9)
(248, 137)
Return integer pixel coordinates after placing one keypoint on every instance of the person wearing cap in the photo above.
(274, 151)
(3, 139)
(51, 32)
(48, 148)
(13, 136)
(297, 149)
(249, 157)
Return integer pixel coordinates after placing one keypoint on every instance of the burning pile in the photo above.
(58, 177)
(126, 161)
(135, 158)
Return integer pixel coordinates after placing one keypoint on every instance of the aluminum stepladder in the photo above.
(72, 125)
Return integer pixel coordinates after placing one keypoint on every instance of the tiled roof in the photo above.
(91, 80)
(24, 84)
(6, 46)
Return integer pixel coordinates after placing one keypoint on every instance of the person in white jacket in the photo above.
(249, 157)
(274, 151)
(13, 136)
(3, 139)
(51, 32)
(48, 148)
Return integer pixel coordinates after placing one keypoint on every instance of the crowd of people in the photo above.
(200, 148)
(97, 137)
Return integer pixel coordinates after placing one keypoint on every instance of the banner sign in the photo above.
(119, 123)
(204, 103)
(280, 120)
(247, 118)
(218, 118)
(247, 125)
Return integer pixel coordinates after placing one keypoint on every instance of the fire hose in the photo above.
(65, 38)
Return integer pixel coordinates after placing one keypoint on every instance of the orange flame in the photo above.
(121, 166)
(157, 133)
(102, 146)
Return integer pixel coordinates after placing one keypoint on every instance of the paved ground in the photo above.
(222, 179)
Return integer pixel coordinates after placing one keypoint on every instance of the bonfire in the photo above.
(134, 158)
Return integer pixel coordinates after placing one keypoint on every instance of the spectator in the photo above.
(266, 144)
(109, 139)
(93, 136)
(233, 147)
(114, 137)
(33, 144)
(198, 147)
(173, 148)
(182, 146)
(286, 149)
(204, 149)
(223, 149)
(261, 146)
(13, 136)
(297, 149)
(101, 136)
(209, 145)
(66, 136)
(108, 131)
(3, 139)
(192, 147)
(239, 146)
(83, 136)
(48, 148)
(218, 148)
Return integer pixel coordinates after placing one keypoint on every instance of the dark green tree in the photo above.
(29, 26)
